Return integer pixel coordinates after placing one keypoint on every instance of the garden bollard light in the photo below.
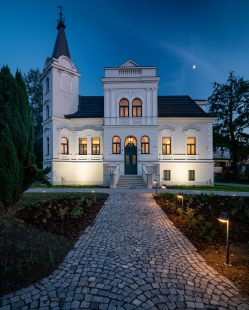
(155, 182)
(225, 218)
(181, 197)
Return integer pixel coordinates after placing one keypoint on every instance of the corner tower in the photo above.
(60, 78)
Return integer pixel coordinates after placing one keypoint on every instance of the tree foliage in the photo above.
(17, 164)
(34, 91)
(230, 104)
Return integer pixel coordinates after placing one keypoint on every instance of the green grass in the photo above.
(225, 188)
(35, 185)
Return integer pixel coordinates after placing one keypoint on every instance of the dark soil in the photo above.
(35, 241)
(201, 226)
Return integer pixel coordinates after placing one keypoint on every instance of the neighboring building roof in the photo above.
(221, 154)
(89, 107)
(61, 46)
(168, 106)
(179, 106)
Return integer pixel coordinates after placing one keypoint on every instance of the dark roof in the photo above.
(89, 107)
(179, 106)
(168, 106)
(61, 46)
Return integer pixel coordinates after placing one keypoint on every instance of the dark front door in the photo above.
(130, 160)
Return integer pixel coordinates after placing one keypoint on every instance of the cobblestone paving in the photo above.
(131, 258)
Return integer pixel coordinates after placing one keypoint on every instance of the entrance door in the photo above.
(130, 156)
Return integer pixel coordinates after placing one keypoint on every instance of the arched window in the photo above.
(136, 108)
(47, 111)
(64, 146)
(116, 145)
(47, 146)
(47, 84)
(145, 145)
(130, 141)
(123, 108)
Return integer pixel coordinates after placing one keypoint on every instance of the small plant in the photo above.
(63, 181)
(77, 212)
(193, 223)
(210, 238)
(51, 257)
(179, 211)
(189, 215)
(246, 258)
(208, 225)
(62, 212)
(20, 246)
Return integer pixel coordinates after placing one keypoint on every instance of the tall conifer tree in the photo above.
(17, 168)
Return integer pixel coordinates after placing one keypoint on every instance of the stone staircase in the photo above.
(130, 181)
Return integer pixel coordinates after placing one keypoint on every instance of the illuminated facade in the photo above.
(130, 130)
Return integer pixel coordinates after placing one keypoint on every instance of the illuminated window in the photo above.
(47, 146)
(83, 146)
(64, 146)
(47, 111)
(191, 146)
(95, 146)
(145, 145)
(124, 108)
(191, 175)
(166, 174)
(116, 145)
(136, 108)
(47, 84)
(166, 146)
(130, 141)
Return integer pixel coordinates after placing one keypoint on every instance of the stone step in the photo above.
(130, 181)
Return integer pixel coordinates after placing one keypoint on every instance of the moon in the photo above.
(194, 66)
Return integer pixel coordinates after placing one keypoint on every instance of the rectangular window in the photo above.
(145, 148)
(191, 175)
(191, 146)
(124, 111)
(95, 146)
(166, 146)
(166, 174)
(83, 146)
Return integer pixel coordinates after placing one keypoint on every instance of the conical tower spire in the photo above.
(61, 46)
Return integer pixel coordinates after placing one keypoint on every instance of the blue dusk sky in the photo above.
(212, 35)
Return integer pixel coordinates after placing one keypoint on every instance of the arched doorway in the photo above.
(130, 155)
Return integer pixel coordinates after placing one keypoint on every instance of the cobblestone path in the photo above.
(131, 258)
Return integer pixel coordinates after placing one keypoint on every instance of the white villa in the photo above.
(130, 131)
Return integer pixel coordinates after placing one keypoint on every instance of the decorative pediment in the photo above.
(192, 126)
(129, 63)
(162, 127)
(96, 128)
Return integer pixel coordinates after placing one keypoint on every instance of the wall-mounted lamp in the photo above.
(181, 197)
(155, 182)
(225, 218)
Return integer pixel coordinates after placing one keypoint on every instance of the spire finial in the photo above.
(61, 20)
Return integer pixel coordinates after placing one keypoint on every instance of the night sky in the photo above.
(175, 35)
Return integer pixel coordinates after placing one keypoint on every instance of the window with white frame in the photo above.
(47, 146)
(47, 111)
(191, 146)
(191, 175)
(47, 84)
(136, 108)
(83, 146)
(95, 146)
(166, 175)
(123, 108)
(64, 145)
(145, 145)
(116, 145)
(166, 146)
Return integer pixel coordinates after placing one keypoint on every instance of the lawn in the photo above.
(201, 226)
(224, 188)
(42, 231)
